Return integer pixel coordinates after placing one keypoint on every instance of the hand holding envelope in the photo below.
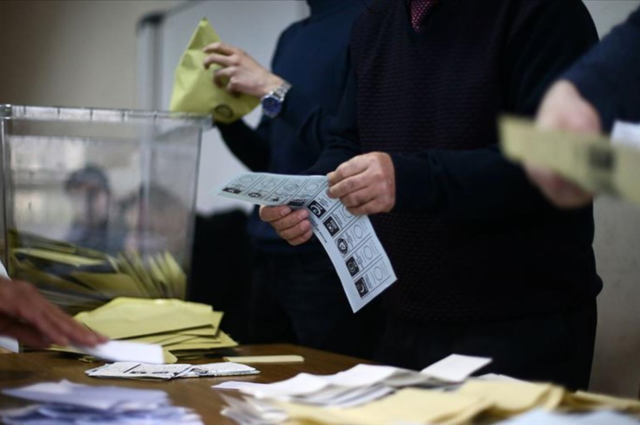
(194, 89)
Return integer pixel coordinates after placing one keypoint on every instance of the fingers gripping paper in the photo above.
(353, 247)
(193, 87)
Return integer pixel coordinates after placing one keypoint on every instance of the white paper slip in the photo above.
(123, 351)
(626, 133)
(237, 385)
(350, 241)
(538, 417)
(455, 368)
(10, 344)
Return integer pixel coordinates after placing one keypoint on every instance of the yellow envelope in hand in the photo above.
(193, 87)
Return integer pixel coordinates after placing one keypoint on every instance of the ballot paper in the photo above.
(10, 344)
(64, 402)
(591, 161)
(360, 384)
(543, 417)
(626, 133)
(134, 370)
(455, 368)
(350, 241)
(126, 351)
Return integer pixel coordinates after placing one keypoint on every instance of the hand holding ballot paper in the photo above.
(355, 251)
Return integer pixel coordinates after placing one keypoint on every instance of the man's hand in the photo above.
(240, 73)
(28, 317)
(291, 225)
(563, 108)
(365, 184)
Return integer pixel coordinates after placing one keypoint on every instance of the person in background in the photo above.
(486, 266)
(28, 317)
(600, 88)
(297, 296)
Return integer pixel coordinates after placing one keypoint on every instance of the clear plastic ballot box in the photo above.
(98, 203)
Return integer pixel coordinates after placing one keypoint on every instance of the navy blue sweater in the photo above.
(313, 55)
(609, 75)
(469, 238)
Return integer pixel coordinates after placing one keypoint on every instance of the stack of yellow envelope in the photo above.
(410, 405)
(581, 401)
(184, 329)
(79, 279)
(513, 398)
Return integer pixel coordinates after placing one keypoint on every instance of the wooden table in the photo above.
(30, 368)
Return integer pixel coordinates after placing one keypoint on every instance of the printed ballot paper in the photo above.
(353, 247)
(64, 402)
(134, 370)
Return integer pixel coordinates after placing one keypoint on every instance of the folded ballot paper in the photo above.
(193, 87)
(64, 402)
(350, 241)
(360, 384)
(183, 329)
(592, 161)
(135, 370)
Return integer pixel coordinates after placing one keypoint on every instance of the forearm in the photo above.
(609, 75)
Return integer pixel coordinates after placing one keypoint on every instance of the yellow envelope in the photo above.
(409, 405)
(511, 398)
(131, 317)
(193, 87)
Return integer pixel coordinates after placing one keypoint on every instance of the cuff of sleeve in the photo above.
(588, 84)
(296, 107)
(413, 186)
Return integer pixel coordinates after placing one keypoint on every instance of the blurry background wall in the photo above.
(84, 53)
(71, 53)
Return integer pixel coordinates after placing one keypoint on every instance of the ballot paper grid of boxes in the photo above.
(441, 394)
(350, 241)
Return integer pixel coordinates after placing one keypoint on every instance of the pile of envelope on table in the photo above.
(183, 329)
(64, 402)
(377, 395)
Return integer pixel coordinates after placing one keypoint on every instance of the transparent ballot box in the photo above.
(98, 203)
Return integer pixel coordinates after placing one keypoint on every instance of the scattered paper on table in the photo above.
(63, 402)
(455, 368)
(350, 241)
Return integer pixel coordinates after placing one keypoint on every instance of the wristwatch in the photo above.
(272, 101)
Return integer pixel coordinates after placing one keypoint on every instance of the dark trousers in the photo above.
(298, 298)
(554, 348)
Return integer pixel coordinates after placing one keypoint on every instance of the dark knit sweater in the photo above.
(609, 75)
(469, 237)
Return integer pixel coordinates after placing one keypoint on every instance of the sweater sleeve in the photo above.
(342, 137)
(251, 146)
(609, 75)
(482, 184)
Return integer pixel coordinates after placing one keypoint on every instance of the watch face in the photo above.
(271, 106)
